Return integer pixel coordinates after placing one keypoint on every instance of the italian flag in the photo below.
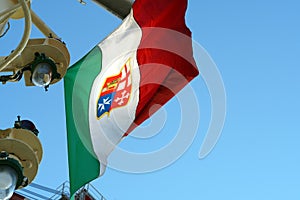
(110, 91)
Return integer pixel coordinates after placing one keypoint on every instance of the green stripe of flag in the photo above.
(83, 163)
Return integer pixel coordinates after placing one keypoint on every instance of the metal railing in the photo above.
(35, 191)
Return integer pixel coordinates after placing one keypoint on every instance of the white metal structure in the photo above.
(44, 50)
(9, 9)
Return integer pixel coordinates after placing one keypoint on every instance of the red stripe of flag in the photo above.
(168, 65)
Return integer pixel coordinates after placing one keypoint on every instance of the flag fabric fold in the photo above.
(146, 61)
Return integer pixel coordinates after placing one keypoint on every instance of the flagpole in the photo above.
(120, 8)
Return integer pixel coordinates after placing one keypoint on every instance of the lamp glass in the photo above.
(42, 74)
(8, 181)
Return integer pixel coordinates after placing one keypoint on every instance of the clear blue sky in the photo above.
(256, 47)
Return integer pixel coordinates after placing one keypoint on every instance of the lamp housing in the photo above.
(11, 175)
(44, 61)
(43, 70)
(8, 181)
(20, 155)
